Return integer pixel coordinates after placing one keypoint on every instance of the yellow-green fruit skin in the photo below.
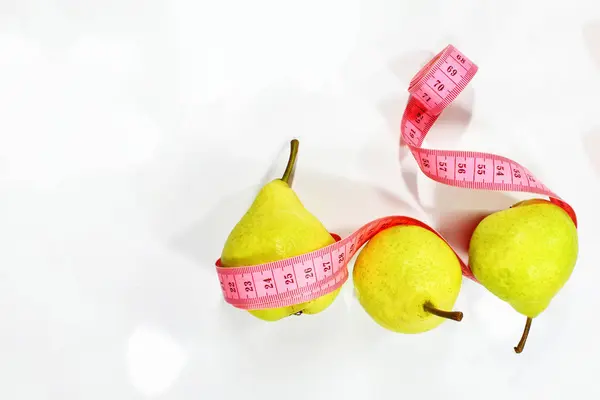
(525, 254)
(277, 226)
(399, 270)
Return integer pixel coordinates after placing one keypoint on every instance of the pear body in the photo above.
(525, 254)
(399, 270)
(277, 226)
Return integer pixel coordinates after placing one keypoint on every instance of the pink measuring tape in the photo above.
(308, 276)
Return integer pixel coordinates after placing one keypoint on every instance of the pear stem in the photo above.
(521, 344)
(289, 169)
(453, 315)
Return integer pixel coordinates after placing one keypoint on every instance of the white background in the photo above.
(134, 134)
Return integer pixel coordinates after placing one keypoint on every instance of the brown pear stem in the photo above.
(453, 315)
(521, 344)
(289, 169)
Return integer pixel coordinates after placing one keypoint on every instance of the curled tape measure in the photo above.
(312, 275)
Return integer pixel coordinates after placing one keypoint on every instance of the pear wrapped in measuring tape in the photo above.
(275, 227)
(431, 90)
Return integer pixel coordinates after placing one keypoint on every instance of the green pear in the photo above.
(405, 277)
(277, 226)
(524, 255)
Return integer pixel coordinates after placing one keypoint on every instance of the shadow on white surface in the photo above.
(453, 122)
(591, 144)
(404, 68)
(457, 211)
(591, 36)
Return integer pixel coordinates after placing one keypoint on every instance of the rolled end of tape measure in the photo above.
(442, 79)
